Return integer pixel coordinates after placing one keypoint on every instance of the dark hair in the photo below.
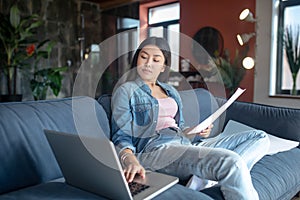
(161, 43)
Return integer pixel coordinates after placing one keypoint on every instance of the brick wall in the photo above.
(62, 23)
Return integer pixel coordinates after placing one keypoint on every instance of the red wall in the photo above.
(222, 15)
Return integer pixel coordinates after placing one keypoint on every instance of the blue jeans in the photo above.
(173, 154)
(251, 145)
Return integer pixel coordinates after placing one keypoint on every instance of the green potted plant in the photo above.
(15, 35)
(232, 72)
(21, 52)
(292, 50)
(47, 77)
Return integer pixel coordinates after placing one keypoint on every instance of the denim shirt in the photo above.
(135, 114)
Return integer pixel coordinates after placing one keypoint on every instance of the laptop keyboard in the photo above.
(136, 188)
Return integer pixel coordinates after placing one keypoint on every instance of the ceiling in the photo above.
(108, 4)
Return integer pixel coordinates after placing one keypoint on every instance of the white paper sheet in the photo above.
(208, 121)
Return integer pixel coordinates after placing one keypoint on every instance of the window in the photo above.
(163, 21)
(127, 41)
(163, 13)
(288, 16)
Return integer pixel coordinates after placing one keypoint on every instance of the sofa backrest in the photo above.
(278, 121)
(26, 157)
(198, 104)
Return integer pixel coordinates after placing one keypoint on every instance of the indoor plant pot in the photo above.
(10, 98)
(16, 34)
(292, 50)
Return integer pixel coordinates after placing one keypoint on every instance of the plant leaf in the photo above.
(14, 16)
(292, 48)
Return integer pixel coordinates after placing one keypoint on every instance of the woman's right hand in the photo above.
(131, 166)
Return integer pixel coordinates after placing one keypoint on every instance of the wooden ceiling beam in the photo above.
(108, 4)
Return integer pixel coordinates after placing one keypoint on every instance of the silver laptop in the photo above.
(100, 172)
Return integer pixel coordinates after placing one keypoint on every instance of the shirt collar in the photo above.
(146, 88)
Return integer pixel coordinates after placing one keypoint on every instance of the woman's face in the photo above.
(150, 63)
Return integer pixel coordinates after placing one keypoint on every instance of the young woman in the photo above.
(149, 133)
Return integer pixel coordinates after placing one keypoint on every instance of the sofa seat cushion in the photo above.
(62, 191)
(51, 190)
(278, 176)
(275, 177)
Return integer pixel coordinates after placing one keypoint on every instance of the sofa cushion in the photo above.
(277, 144)
(50, 191)
(105, 102)
(26, 158)
(275, 177)
(278, 176)
(279, 121)
(198, 104)
(62, 191)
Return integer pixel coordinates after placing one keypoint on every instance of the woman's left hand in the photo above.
(206, 132)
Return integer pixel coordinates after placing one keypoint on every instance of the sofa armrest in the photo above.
(278, 121)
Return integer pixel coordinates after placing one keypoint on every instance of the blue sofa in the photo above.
(28, 168)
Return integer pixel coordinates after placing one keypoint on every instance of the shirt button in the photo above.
(154, 121)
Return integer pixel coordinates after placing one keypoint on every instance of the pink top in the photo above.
(167, 111)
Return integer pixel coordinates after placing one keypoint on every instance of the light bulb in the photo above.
(247, 16)
(244, 38)
(248, 63)
(240, 40)
(244, 14)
